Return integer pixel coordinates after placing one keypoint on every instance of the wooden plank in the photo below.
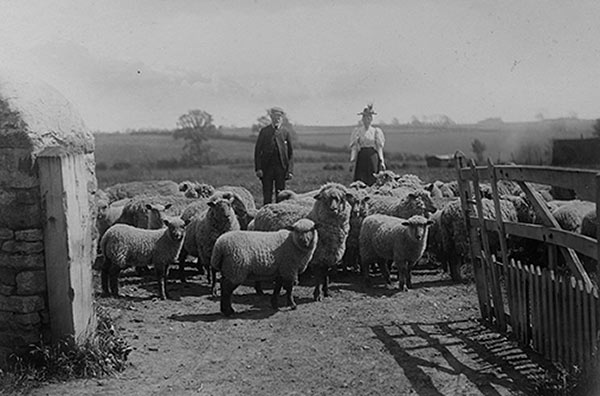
(67, 243)
(520, 299)
(536, 309)
(545, 328)
(555, 236)
(564, 320)
(572, 320)
(553, 316)
(530, 306)
(479, 274)
(594, 318)
(587, 342)
(494, 285)
(498, 211)
(579, 180)
(548, 220)
(579, 321)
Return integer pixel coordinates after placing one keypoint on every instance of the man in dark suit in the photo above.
(273, 155)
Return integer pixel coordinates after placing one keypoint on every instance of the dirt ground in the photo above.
(427, 341)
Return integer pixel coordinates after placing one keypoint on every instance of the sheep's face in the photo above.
(334, 199)
(360, 208)
(221, 209)
(385, 178)
(155, 213)
(102, 210)
(176, 228)
(304, 233)
(417, 227)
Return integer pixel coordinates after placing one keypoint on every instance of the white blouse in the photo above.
(371, 137)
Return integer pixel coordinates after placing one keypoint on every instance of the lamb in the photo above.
(390, 238)
(202, 233)
(281, 255)
(124, 246)
(150, 187)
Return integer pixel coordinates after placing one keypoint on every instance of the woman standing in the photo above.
(366, 148)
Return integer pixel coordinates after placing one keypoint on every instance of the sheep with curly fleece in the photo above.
(125, 246)
(455, 236)
(264, 255)
(414, 202)
(570, 215)
(149, 187)
(143, 212)
(196, 189)
(331, 211)
(203, 231)
(385, 238)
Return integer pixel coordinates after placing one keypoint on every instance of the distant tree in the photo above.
(539, 116)
(478, 148)
(395, 121)
(597, 127)
(265, 120)
(195, 127)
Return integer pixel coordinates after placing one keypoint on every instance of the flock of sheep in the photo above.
(220, 230)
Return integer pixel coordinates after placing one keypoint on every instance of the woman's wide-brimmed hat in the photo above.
(368, 110)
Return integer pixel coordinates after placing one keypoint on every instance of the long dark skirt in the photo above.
(367, 164)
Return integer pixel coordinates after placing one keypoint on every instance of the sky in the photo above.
(132, 64)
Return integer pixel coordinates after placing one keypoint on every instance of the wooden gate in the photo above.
(554, 314)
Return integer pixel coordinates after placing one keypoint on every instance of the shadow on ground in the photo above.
(503, 364)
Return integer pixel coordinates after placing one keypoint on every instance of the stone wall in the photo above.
(33, 117)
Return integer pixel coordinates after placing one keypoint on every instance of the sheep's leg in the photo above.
(258, 288)
(289, 286)
(364, 267)
(385, 272)
(214, 285)
(161, 279)
(326, 282)
(403, 276)
(454, 265)
(113, 280)
(276, 291)
(104, 275)
(181, 262)
(227, 288)
(319, 275)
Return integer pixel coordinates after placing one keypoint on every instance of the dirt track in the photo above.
(427, 341)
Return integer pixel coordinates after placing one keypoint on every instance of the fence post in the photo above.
(478, 267)
(495, 284)
(67, 238)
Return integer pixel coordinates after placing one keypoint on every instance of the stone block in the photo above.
(18, 338)
(30, 319)
(31, 282)
(7, 290)
(33, 235)
(8, 276)
(21, 262)
(6, 320)
(22, 247)
(19, 217)
(6, 233)
(21, 304)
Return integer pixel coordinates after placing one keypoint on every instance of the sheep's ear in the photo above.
(166, 222)
(184, 187)
(186, 222)
(367, 198)
(211, 203)
(428, 187)
(318, 196)
(351, 198)
(429, 222)
(148, 206)
(405, 223)
(167, 206)
(412, 195)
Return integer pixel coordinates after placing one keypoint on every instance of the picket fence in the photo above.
(553, 312)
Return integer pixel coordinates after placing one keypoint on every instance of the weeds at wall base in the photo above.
(102, 355)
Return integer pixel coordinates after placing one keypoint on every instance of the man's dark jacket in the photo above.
(264, 145)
